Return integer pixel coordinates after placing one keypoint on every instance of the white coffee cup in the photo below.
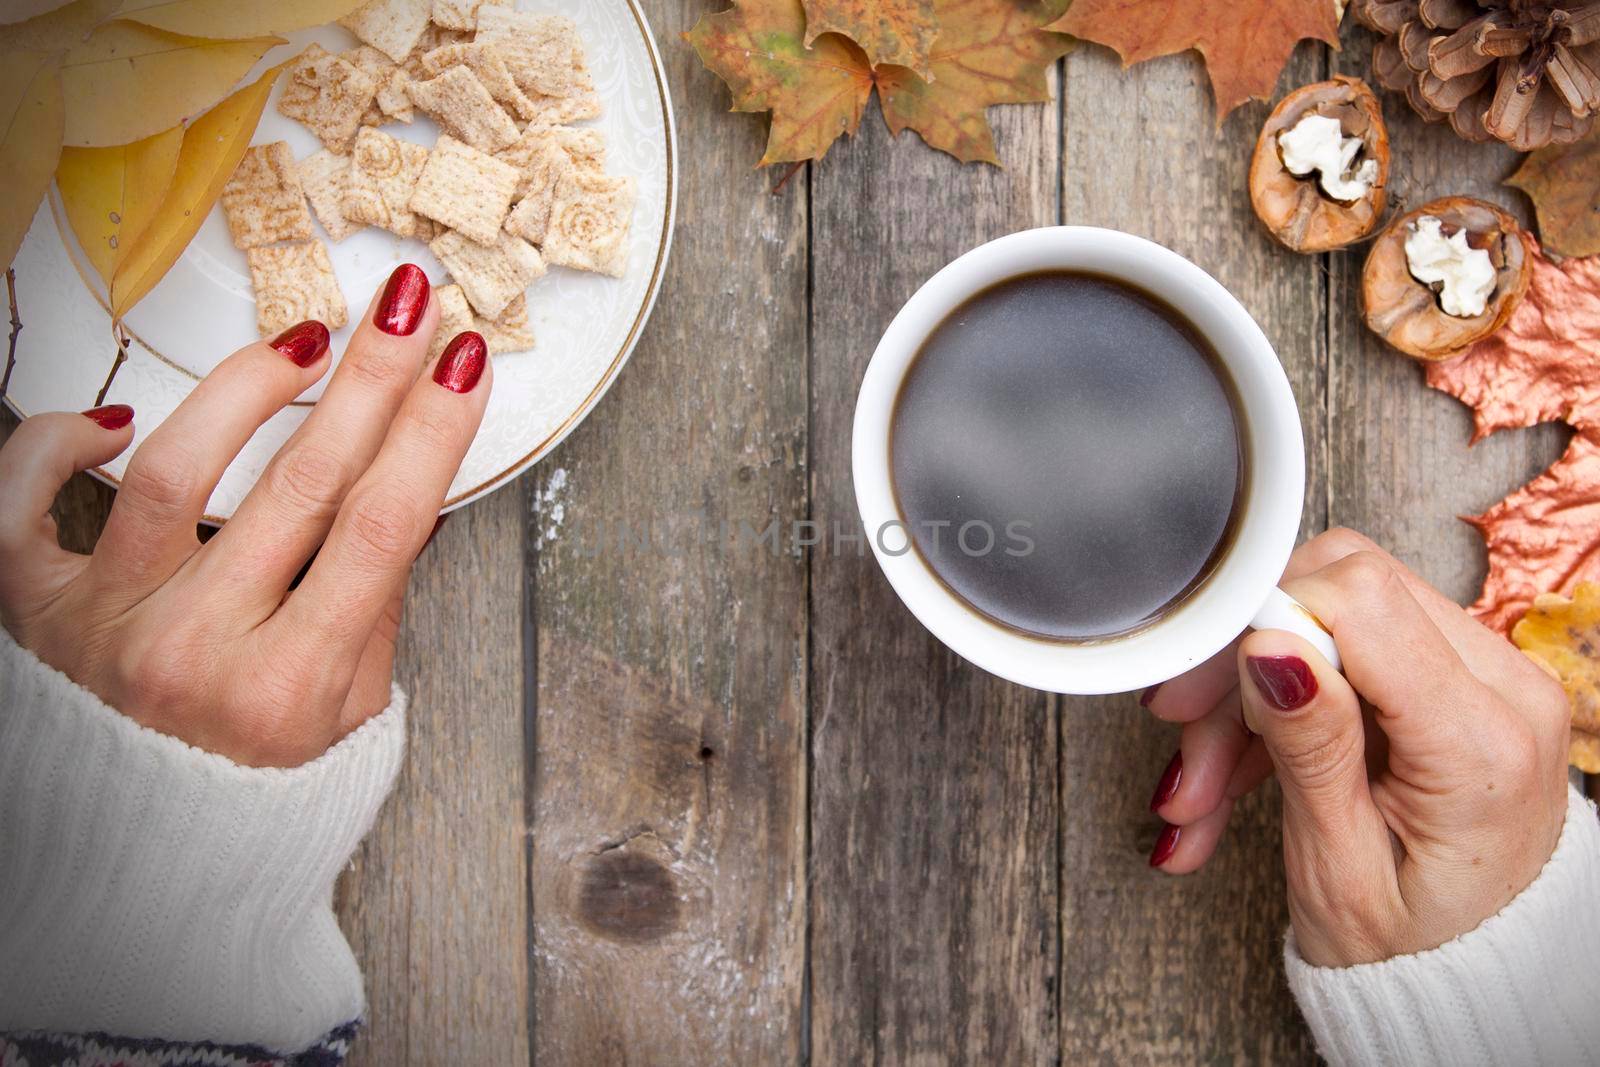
(1241, 590)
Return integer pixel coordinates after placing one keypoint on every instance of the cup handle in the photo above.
(1284, 612)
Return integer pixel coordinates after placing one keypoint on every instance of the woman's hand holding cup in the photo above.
(1422, 790)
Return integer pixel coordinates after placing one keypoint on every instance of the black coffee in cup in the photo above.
(1066, 453)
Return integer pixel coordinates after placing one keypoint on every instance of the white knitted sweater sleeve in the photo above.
(1522, 988)
(152, 890)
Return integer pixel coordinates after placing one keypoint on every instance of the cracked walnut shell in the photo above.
(1294, 208)
(1406, 312)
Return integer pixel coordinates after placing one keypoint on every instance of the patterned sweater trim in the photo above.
(40, 1049)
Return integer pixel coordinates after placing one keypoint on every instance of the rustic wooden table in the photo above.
(726, 806)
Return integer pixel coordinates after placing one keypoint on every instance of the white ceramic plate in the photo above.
(586, 325)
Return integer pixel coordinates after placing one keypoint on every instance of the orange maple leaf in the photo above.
(986, 52)
(889, 31)
(1543, 538)
(1543, 365)
(1245, 42)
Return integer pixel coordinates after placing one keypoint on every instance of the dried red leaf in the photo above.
(1544, 364)
(1544, 538)
(1245, 42)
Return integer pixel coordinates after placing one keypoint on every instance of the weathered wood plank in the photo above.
(933, 861)
(1400, 469)
(435, 903)
(1158, 969)
(668, 801)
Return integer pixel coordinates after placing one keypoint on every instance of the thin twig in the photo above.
(790, 173)
(121, 337)
(16, 328)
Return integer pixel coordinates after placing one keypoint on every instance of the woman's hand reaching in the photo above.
(208, 643)
(1422, 790)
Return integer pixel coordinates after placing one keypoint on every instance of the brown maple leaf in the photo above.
(816, 93)
(889, 31)
(1543, 538)
(986, 52)
(1245, 42)
(1543, 365)
(1564, 183)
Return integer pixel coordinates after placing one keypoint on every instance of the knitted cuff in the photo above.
(149, 889)
(1518, 989)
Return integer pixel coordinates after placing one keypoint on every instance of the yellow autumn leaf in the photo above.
(1564, 635)
(22, 10)
(212, 147)
(111, 194)
(30, 141)
(235, 18)
(61, 28)
(128, 82)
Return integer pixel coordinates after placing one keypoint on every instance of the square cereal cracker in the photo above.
(460, 103)
(427, 229)
(544, 52)
(486, 61)
(391, 100)
(585, 147)
(455, 316)
(589, 221)
(561, 110)
(323, 175)
(329, 95)
(508, 333)
(492, 277)
(433, 37)
(393, 27)
(383, 174)
(263, 200)
(530, 218)
(460, 14)
(467, 190)
(294, 283)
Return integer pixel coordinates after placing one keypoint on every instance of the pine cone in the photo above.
(1526, 72)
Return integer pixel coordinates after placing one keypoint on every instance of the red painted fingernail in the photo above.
(303, 344)
(405, 298)
(461, 365)
(1166, 845)
(1148, 695)
(1170, 779)
(1285, 681)
(110, 417)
